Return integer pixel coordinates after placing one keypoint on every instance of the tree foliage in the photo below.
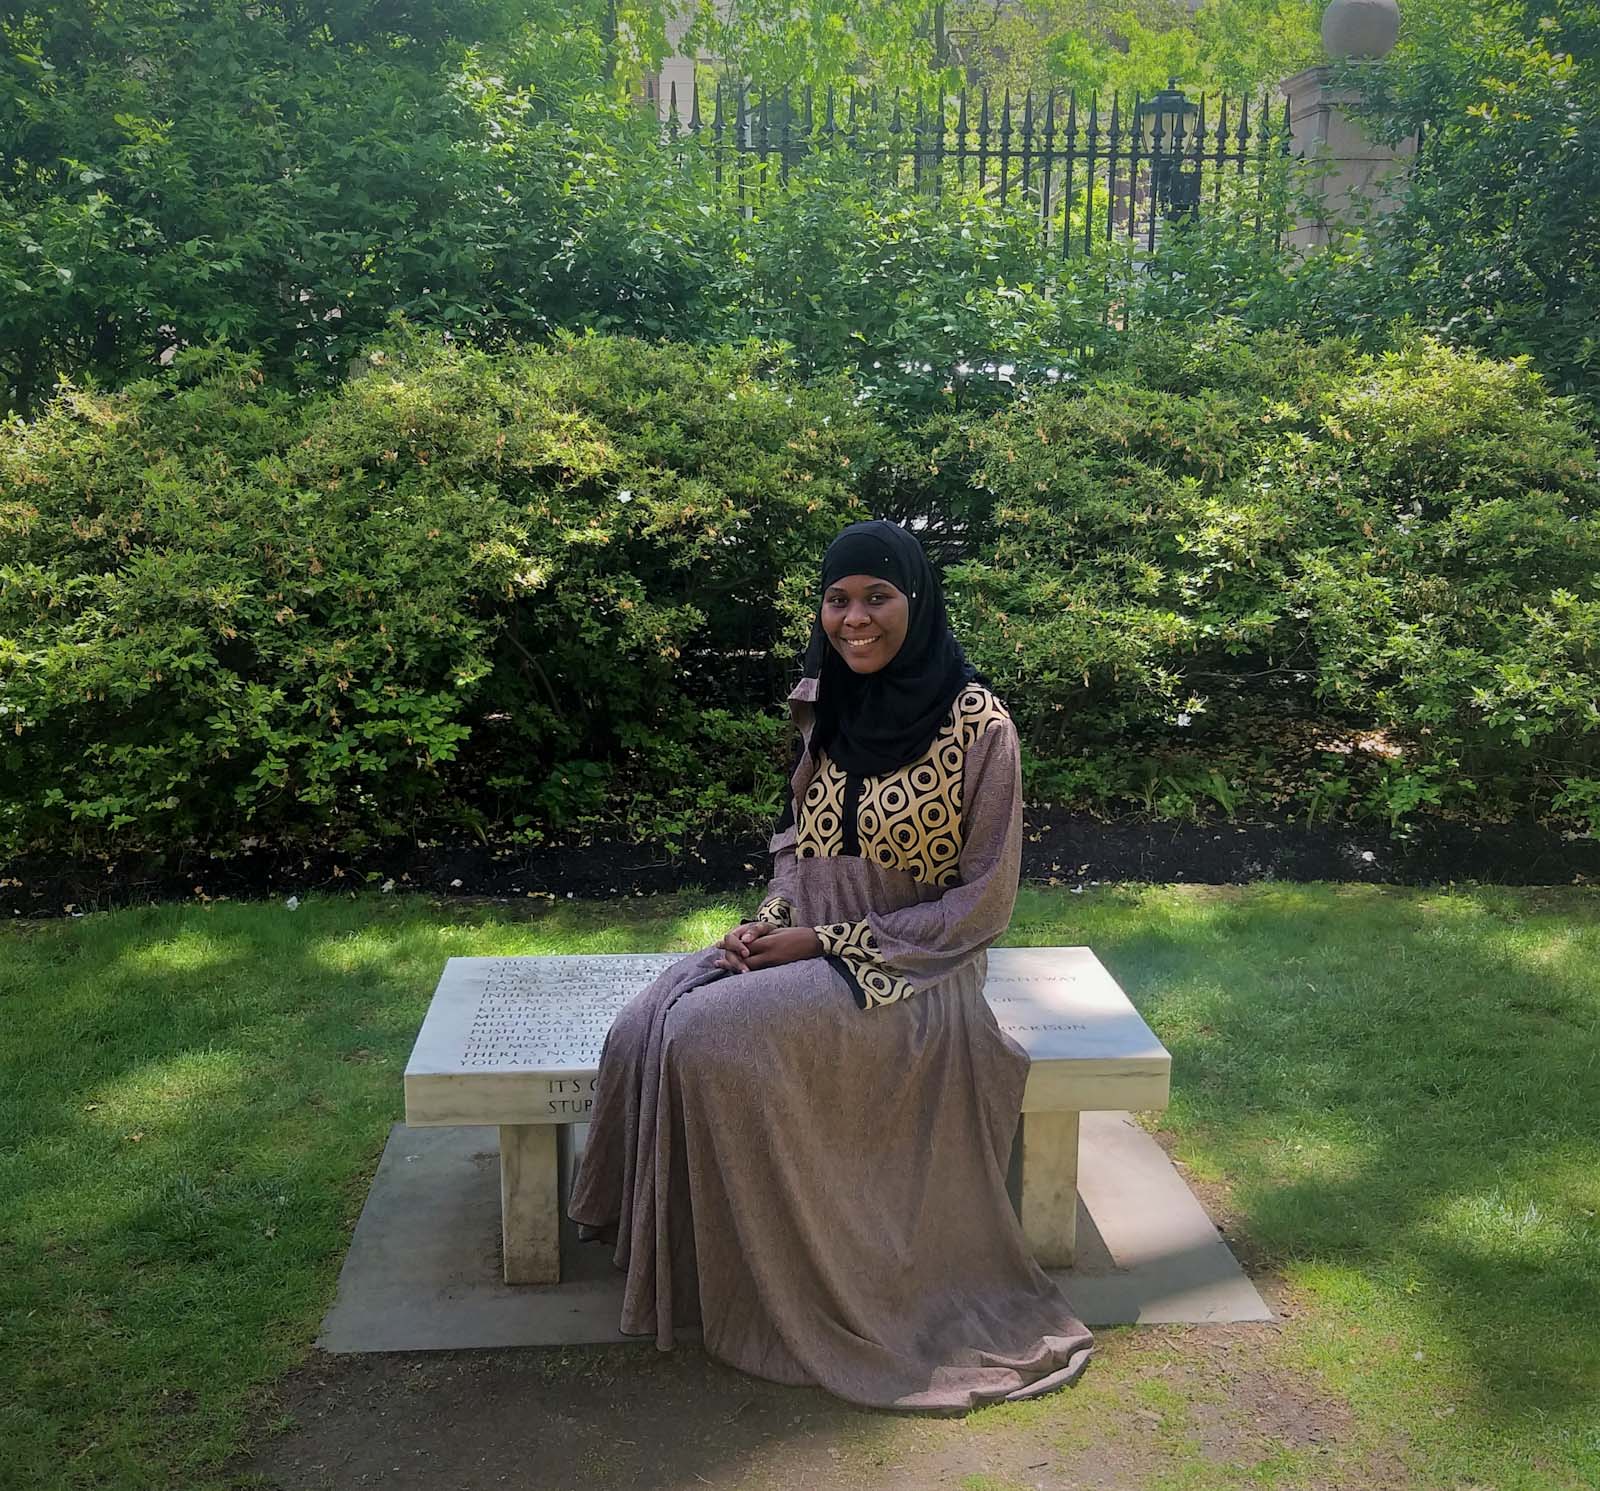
(284, 176)
(1127, 45)
(1497, 240)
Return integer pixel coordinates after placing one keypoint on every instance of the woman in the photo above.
(800, 1136)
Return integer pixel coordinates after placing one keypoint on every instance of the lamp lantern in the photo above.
(1166, 127)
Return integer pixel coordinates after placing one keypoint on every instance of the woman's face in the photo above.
(865, 620)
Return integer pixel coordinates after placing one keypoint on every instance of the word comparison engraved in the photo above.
(535, 1012)
(539, 1013)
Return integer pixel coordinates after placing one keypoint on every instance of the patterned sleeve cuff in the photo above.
(853, 951)
(775, 911)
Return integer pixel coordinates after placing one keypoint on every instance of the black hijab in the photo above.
(871, 723)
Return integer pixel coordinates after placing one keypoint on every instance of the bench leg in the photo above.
(1050, 1187)
(530, 1204)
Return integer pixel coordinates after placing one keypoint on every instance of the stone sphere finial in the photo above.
(1360, 28)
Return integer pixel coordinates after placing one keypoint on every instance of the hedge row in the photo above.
(1266, 543)
(563, 589)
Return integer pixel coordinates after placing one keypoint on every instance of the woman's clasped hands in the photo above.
(753, 945)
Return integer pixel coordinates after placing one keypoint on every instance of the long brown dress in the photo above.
(809, 1161)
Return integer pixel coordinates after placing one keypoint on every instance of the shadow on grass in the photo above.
(1402, 1085)
(194, 1101)
(192, 1104)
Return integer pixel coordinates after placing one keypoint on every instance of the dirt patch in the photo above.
(619, 1416)
(1244, 1413)
(1060, 848)
(1159, 1402)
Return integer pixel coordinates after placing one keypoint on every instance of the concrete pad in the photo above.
(1158, 1257)
(424, 1268)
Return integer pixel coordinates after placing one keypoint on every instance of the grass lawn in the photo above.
(1394, 1094)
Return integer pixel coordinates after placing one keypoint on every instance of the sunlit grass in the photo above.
(1398, 1087)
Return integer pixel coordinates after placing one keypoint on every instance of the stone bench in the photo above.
(515, 1042)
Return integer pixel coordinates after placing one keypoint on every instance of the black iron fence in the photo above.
(1106, 166)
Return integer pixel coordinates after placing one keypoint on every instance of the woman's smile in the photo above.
(865, 618)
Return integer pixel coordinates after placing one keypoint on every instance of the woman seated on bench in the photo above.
(800, 1137)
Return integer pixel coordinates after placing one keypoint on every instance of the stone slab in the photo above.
(530, 1203)
(1046, 1195)
(423, 1270)
(517, 1040)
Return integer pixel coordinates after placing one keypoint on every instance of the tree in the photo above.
(283, 174)
(1128, 45)
(1497, 240)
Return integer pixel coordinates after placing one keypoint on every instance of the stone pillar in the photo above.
(1354, 174)
(676, 78)
(676, 82)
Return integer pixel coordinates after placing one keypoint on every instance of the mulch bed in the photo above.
(1062, 848)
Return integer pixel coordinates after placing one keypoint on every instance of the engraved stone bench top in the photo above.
(517, 1040)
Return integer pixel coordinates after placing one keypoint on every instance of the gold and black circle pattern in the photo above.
(908, 819)
(871, 980)
(776, 911)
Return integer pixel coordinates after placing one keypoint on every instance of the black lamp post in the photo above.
(1166, 124)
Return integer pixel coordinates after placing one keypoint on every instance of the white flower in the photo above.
(292, 904)
(1184, 718)
(625, 495)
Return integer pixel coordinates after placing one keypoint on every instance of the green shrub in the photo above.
(1495, 240)
(924, 298)
(228, 612)
(1405, 547)
(562, 591)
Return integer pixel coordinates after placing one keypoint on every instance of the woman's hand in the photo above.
(782, 945)
(753, 945)
(737, 944)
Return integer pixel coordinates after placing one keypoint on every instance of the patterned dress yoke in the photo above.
(909, 825)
